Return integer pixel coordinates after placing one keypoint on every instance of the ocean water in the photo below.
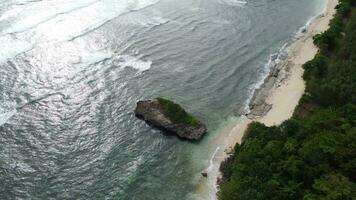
(71, 72)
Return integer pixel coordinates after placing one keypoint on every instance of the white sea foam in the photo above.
(31, 14)
(94, 57)
(274, 59)
(211, 161)
(41, 22)
(140, 19)
(5, 116)
(109, 58)
(134, 62)
(305, 27)
(81, 21)
(233, 2)
(11, 46)
(21, 166)
(213, 171)
(158, 21)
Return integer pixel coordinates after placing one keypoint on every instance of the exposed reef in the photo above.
(169, 116)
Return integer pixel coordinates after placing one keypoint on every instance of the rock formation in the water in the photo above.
(167, 115)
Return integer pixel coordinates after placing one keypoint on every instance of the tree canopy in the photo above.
(313, 155)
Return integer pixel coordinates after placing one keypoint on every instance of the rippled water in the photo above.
(72, 70)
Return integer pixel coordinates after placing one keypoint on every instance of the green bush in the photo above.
(177, 114)
(317, 67)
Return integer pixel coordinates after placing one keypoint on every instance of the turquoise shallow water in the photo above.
(72, 71)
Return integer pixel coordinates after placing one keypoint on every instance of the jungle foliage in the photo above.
(313, 155)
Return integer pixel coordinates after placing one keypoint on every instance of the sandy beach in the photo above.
(284, 95)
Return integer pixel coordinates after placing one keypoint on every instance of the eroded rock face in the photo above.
(152, 112)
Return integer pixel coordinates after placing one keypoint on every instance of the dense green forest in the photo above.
(312, 155)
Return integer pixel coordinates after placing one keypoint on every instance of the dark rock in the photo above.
(204, 174)
(283, 56)
(152, 112)
(229, 151)
(274, 57)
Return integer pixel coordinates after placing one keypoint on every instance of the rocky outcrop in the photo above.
(204, 174)
(154, 114)
(259, 105)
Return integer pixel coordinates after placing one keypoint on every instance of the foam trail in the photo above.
(40, 99)
(140, 19)
(4, 117)
(11, 46)
(82, 21)
(41, 22)
(233, 2)
(122, 61)
(274, 59)
(91, 58)
(136, 63)
(29, 16)
(213, 177)
(211, 161)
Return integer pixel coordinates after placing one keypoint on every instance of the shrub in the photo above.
(176, 113)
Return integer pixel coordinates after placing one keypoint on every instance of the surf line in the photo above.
(4, 117)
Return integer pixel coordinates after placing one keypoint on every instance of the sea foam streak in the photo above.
(42, 22)
(233, 2)
(211, 170)
(122, 61)
(134, 62)
(140, 19)
(82, 21)
(34, 13)
(11, 46)
(4, 117)
(93, 57)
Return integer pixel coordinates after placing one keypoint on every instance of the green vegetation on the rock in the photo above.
(313, 155)
(176, 113)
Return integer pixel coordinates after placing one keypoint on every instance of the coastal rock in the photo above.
(229, 151)
(259, 111)
(259, 105)
(154, 113)
(304, 30)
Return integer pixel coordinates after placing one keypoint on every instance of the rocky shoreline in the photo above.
(280, 69)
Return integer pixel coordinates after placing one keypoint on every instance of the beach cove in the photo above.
(285, 90)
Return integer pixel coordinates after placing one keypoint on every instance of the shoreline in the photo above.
(279, 95)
